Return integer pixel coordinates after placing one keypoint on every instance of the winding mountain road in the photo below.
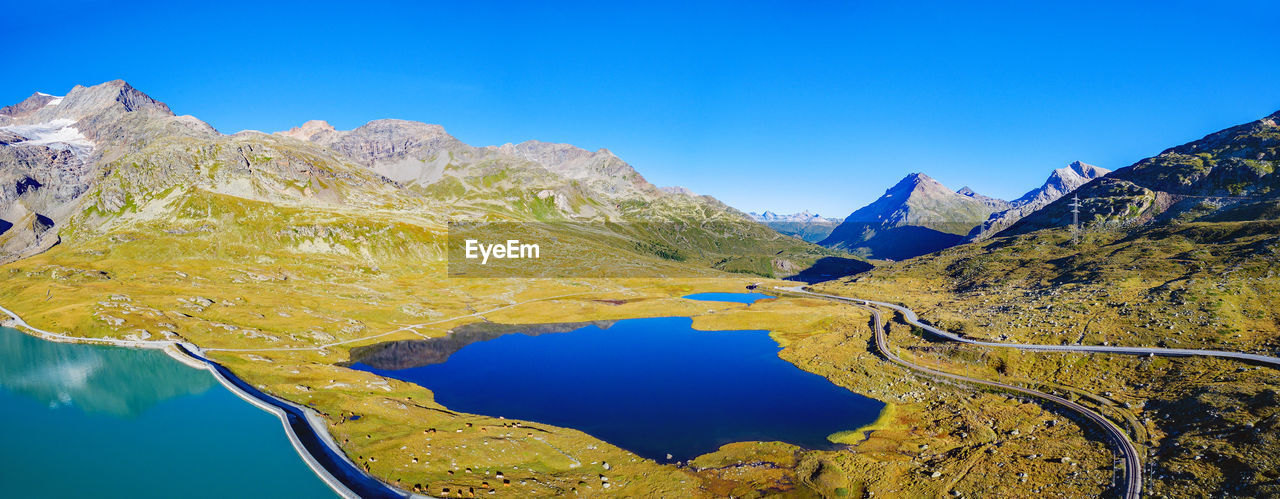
(16, 322)
(912, 319)
(1129, 453)
(1132, 469)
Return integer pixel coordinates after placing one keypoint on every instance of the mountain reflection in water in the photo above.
(393, 355)
(116, 381)
(654, 386)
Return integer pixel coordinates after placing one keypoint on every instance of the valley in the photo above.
(311, 263)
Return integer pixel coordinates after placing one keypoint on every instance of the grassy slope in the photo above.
(228, 272)
(1206, 425)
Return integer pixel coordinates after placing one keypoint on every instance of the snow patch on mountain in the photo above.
(55, 134)
(56, 99)
(804, 216)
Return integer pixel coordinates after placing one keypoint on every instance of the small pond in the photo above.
(747, 298)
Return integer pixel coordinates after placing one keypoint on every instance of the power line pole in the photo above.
(1075, 219)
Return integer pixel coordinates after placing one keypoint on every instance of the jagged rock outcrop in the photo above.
(1061, 182)
(411, 152)
(381, 141)
(600, 169)
(408, 152)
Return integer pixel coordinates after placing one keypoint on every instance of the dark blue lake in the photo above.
(651, 386)
(747, 298)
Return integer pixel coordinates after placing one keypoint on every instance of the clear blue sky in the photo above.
(783, 106)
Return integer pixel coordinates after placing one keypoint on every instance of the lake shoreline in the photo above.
(464, 375)
(302, 425)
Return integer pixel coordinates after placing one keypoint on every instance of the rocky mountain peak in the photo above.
(601, 168)
(1228, 175)
(29, 105)
(916, 183)
(1060, 182)
(411, 151)
(676, 189)
(102, 102)
(805, 225)
(379, 142)
(113, 93)
(917, 215)
(105, 146)
(309, 130)
(402, 126)
(548, 153)
(1080, 169)
(917, 178)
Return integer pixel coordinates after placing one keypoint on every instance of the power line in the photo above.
(1075, 219)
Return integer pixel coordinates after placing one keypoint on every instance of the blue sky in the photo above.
(770, 105)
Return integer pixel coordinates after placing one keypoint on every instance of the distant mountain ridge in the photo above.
(805, 225)
(411, 152)
(993, 203)
(770, 216)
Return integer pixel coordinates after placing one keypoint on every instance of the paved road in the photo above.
(1132, 469)
(17, 322)
(911, 318)
(309, 435)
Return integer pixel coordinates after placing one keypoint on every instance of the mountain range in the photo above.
(109, 155)
(919, 215)
(804, 225)
(1178, 250)
(1060, 183)
(108, 158)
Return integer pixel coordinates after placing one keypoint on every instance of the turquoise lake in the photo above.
(87, 420)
